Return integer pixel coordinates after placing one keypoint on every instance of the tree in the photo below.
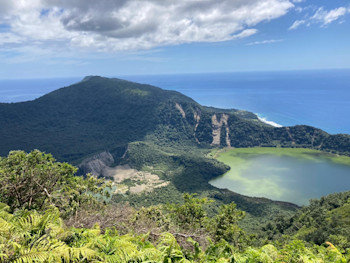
(35, 181)
(191, 214)
(225, 225)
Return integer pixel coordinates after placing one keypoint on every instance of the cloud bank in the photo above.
(119, 25)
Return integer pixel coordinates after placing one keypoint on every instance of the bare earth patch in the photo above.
(141, 181)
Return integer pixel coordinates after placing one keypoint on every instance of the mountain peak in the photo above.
(87, 78)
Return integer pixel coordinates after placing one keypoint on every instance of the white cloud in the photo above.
(299, 9)
(322, 17)
(296, 24)
(109, 25)
(263, 42)
(327, 17)
(245, 33)
(9, 38)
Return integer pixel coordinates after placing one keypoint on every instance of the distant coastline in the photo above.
(272, 123)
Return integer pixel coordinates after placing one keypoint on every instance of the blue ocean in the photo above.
(317, 98)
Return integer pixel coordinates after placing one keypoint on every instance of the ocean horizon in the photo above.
(319, 98)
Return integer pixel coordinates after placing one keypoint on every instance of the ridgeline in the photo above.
(99, 114)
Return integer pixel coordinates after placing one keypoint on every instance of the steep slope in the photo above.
(84, 118)
(94, 115)
(99, 114)
(325, 219)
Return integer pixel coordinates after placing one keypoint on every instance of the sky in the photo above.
(63, 38)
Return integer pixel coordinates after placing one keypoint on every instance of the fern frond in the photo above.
(3, 256)
(77, 253)
(169, 248)
(30, 256)
(5, 226)
(150, 254)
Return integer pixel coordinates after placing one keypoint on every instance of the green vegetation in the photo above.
(100, 114)
(326, 219)
(49, 214)
(164, 233)
(43, 237)
(36, 181)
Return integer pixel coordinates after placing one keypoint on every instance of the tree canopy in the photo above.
(35, 181)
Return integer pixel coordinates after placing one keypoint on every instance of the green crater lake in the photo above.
(284, 174)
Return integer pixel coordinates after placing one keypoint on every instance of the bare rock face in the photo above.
(197, 118)
(97, 164)
(217, 125)
(180, 109)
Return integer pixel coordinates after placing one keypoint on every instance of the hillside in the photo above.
(100, 123)
(94, 115)
(325, 219)
(100, 114)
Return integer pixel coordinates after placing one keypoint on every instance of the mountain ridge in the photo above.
(81, 102)
(122, 111)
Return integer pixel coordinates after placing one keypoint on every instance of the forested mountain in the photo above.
(99, 114)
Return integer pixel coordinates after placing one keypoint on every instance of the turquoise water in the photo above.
(316, 98)
(285, 178)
